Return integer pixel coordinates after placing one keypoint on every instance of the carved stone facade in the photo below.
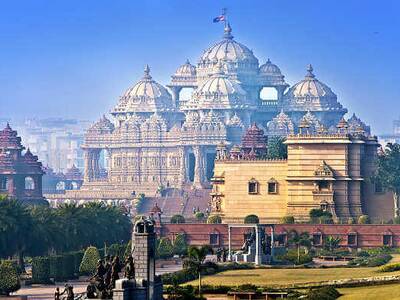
(157, 139)
(20, 173)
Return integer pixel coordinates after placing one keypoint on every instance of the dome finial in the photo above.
(228, 31)
(147, 72)
(187, 61)
(310, 73)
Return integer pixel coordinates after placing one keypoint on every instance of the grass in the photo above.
(282, 277)
(390, 291)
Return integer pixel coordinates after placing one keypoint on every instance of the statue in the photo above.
(130, 268)
(69, 290)
(100, 271)
(57, 294)
(115, 269)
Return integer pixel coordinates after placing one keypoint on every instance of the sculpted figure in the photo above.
(130, 268)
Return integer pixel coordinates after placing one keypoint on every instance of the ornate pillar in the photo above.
(87, 165)
(198, 155)
(95, 164)
(182, 166)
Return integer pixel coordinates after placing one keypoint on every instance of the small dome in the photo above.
(103, 125)
(311, 94)
(145, 96)
(270, 69)
(227, 49)
(219, 92)
(311, 87)
(186, 70)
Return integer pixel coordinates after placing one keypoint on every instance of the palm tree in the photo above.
(195, 260)
(332, 242)
(299, 240)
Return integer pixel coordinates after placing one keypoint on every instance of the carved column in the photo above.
(87, 165)
(198, 155)
(182, 166)
(95, 164)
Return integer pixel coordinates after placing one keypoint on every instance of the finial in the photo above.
(268, 61)
(147, 72)
(187, 61)
(228, 31)
(310, 70)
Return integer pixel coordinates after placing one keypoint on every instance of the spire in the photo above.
(310, 73)
(187, 62)
(228, 32)
(147, 72)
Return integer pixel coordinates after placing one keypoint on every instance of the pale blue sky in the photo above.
(74, 58)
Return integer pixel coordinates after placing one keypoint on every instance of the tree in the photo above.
(177, 219)
(388, 172)
(214, 219)
(319, 216)
(9, 279)
(287, 220)
(364, 219)
(164, 248)
(15, 228)
(251, 219)
(195, 260)
(199, 215)
(180, 245)
(332, 243)
(276, 148)
(299, 240)
(89, 261)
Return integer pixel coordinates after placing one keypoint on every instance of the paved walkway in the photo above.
(43, 291)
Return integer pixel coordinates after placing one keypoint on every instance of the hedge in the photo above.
(40, 270)
(9, 279)
(390, 267)
(177, 219)
(186, 275)
(89, 261)
(77, 255)
(214, 219)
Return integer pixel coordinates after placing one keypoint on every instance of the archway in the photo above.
(269, 93)
(29, 183)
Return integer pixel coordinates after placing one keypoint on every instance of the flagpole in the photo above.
(225, 16)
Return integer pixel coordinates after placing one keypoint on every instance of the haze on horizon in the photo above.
(75, 58)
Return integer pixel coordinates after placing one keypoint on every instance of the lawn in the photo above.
(283, 277)
(390, 291)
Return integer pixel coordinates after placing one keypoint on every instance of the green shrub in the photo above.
(177, 219)
(291, 256)
(251, 219)
(89, 261)
(319, 216)
(199, 215)
(164, 248)
(371, 260)
(287, 220)
(214, 219)
(180, 244)
(9, 279)
(323, 293)
(390, 267)
(364, 219)
(57, 267)
(351, 221)
(77, 259)
(40, 270)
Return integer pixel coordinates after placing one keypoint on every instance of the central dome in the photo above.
(228, 49)
(146, 95)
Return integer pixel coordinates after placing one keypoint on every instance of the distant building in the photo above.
(394, 137)
(57, 142)
(20, 174)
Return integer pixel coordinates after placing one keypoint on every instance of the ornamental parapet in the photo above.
(252, 160)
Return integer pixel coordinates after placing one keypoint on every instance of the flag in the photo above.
(219, 19)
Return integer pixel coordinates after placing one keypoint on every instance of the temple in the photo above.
(158, 139)
(20, 173)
